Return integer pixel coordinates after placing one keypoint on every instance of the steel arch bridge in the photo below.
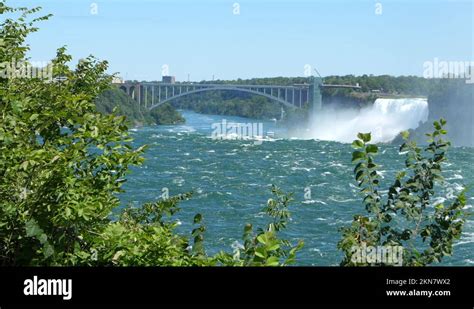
(151, 95)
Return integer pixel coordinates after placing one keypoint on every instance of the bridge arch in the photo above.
(132, 92)
(124, 89)
(271, 97)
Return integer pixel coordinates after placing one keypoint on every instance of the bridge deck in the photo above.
(153, 94)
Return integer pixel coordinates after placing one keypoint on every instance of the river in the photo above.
(231, 180)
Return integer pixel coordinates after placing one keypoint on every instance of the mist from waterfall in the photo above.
(385, 119)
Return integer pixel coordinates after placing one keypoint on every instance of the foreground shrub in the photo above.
(409, 217)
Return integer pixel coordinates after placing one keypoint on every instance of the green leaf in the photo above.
(32, 228)
(371, 148)
(262, 238)
(273, 247)
(365, 137)
(357, 155)
(272, 261)
(405, 134)
(24, 165)
(48, 250)
(33, 117)
(197, 219)
(357, 144)
(260, 252)
(359, 175)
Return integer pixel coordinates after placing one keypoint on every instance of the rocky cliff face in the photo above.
(453, 100)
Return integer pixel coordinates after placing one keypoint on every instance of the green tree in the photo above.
(166, 114)
(116, 101)
(409, 217)
(62, 164)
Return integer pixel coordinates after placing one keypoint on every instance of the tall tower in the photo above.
(316, 98)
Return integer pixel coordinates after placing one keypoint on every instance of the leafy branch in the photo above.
(409, 216)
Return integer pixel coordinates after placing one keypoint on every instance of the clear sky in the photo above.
(206, 38)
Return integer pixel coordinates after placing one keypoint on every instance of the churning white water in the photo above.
(385, 119)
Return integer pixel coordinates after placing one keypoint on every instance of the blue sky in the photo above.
(268, 38)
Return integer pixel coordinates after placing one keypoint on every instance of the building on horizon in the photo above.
(168, 79)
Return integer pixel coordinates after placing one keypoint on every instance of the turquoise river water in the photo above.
(231, 180)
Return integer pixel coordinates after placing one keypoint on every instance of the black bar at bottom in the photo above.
(291, 285)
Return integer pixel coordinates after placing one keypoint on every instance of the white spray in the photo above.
(385, 119)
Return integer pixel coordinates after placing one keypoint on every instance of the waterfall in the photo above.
(385, 119)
